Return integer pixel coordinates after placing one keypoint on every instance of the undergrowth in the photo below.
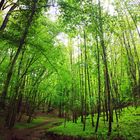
(128, 127)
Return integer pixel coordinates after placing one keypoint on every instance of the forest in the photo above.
(69, 69)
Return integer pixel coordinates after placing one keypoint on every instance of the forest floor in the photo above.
(30, 131)
(50, 127)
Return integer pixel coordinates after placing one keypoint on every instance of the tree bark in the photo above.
(85, 79)
(107, 78)
(1, 4)
(5, 21)
(99, 87)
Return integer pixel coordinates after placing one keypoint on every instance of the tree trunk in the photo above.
(1, 4)
(99, 86)
(85, 73)
(5, 21)
(107, 79)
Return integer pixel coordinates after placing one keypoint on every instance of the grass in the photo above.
(130, 123)
(129, 127)
(35, 122)
(38, 120)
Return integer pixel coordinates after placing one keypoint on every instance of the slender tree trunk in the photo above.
(85, 74)
(107, 79)
(6, 19)
(99, 86)
(1, 4)
(81, 73)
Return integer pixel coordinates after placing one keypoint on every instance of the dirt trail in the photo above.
(34, 133)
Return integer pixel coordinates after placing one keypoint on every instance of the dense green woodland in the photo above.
(78, 58)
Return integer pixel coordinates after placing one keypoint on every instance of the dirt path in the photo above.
(34, 133)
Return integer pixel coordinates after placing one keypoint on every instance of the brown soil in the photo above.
(33, 133)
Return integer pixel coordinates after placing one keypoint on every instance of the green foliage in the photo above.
(128, 126)
(65, 64)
